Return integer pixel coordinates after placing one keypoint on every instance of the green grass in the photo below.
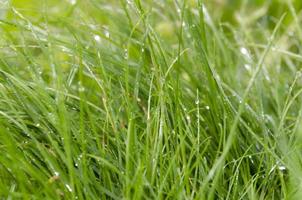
(143, 99)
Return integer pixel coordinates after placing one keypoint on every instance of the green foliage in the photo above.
(150, 99)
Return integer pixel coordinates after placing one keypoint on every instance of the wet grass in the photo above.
(150, 100)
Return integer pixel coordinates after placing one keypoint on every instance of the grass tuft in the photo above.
(134, 99)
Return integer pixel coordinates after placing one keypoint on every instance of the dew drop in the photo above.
(92, 26)
(126, 55)
(208, 107)
(107, 33)
(247, 67)
(81, 89)
(250, 157)
(51, 116)
(97, 38)
(245, 52)
(188, 118)
(80, 157)
(129, 2)
(282, 168)
(267, 77)
(68, 187)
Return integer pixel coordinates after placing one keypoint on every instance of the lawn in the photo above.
(150, 99)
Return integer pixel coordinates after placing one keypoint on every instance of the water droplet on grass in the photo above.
(129, 2)
(68, 187)
(247, 67)
(282, 168)
(107, 33)
(245, 52)
(126, 55)
(80, 157)
(188, 119)
(81, 89)
(97, 38)
(51, 116)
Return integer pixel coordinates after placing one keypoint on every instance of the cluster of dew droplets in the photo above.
(188, 118)
(143, 48)
(245, 52)
(126, 54)
(79, 160)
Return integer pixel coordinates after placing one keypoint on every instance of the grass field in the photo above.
(150, 99)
